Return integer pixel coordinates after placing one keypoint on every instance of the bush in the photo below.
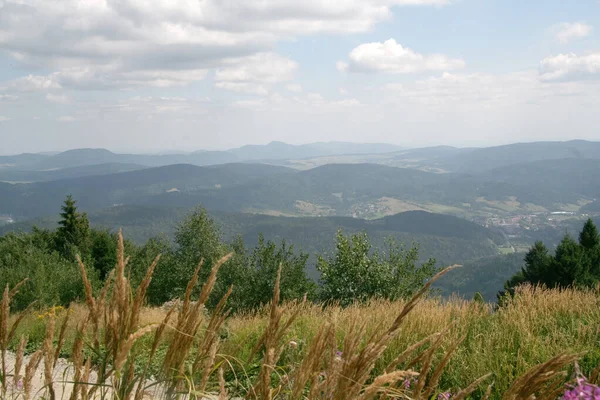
(52, 280)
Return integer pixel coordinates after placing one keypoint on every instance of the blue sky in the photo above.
(158, 75)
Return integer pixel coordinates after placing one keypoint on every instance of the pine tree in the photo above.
(589, 237)
(72, 235)
(537, 265)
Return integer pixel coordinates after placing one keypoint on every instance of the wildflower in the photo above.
(444, 396)
(582, 390)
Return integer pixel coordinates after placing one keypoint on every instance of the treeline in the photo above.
(353, 271)
(575, 263)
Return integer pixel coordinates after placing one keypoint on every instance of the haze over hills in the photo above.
(516, 194)
(360, 190)
(271, 151)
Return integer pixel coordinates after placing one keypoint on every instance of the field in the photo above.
(420, 348)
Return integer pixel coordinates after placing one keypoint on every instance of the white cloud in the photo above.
(391, 57)
(567, 31)
(261, 67)
(57, 98)
(250, 74)
(570, 67)
(343, 92)
(2, 118)
(7, 97)
(107, 43)
(472, 90)
(294, 87)
(243, 87)
(31, 83)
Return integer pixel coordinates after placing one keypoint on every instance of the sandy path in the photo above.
(62, 378)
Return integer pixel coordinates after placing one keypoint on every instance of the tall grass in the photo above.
(421, 348)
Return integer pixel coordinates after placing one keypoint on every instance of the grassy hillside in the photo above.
(535, 338)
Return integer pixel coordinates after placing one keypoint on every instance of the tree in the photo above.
(197, 238)
(538, 265)
(573, 264)
(103, 251)
(569, 265)
(263, 263)
(355, 272)
(589, 237)
(72, 235)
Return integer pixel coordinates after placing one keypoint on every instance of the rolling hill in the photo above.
(271, 151)
(14, 175)
(366, 190)
(446, 238)
(485, 159)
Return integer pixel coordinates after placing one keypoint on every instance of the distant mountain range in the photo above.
(271, 151)
(435, 159)
(360, 190)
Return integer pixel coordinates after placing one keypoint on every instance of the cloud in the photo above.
(108, 43)
(57, 98)
(243, 87)
(2, 118)
(391, 57)
(261, 67)
(7, 97)
(570, 67)
(251, 74)
(294, 87)
(31, 83)
(567, 31)
(473, 90)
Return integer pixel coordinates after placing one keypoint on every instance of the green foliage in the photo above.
(538, 264)
(253, 274)
(52, 280)
(589, 238)
(484, 275)
(356, 272)
(197, 238)
(573, 264)
(103, 251)
(73, 233)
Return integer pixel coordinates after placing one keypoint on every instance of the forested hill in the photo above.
(329, 190)
(446, 238)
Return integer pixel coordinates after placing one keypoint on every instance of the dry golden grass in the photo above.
(412, 349)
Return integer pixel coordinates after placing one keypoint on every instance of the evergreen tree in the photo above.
(573, 264)
(569, 265)
(73, 233)
(538, 265)
(589, 237)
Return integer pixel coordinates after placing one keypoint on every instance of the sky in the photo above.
(165, 75)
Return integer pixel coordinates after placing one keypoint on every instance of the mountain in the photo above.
(363, 190)
(574, 175)
(14, 175)
(271, 151)
(21, 160)
(485, 159)
(283, 151)
(144, 186)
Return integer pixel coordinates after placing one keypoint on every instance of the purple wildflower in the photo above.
(582, 390)
(444, 396)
